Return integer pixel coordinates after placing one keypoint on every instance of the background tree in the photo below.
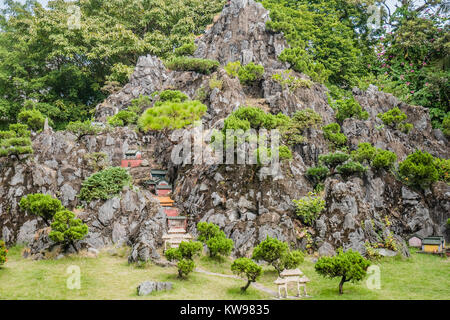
(42, 205)
(67, 229)
(349, 266)
(82, 129)
(247, 268)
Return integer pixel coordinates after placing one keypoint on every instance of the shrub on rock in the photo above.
(419, 170)
(250, 73)
(83, 128)
(332, 133)
(32, 118)
(66, 229)
(42, 205)
(204, 66)
(247, 268)
(309, 208)
(351, 168)
(16, 141)
(3, 253)
(349, 266)
(331, 160)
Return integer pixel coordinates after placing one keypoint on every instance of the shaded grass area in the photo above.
(108, 277)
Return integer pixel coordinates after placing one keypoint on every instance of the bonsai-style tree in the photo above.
(16, 141)
(419, 170)
(272, 251)
(3, 252)
(169, 116)
(292, 259)
(83, 128)
(247, 268)
(349, 266)
(184, 255)
(67, 229)
(215, 239)
(42, 205)
(33, 118)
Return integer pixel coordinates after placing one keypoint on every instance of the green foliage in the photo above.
(309, 208)
(419, 170)
(32, 118)
(446, 126)
(350, 168)
(83, 128)
(349, 108)
(214, 238)
(104, 184)
(331, 160)
(123, 118)
(293, 128)
(332, 133)
(247, 268)
(443, 168)
(384, 159)
(293, 259)
(203, 66)
(288, 81)
(172, 115)
(186, 49)
(365, 152)
(317, 174)
(215, 83)
(184, 254)
(171, 96)
(349, 266)
(396, 119)
(207, 231)
(250, 73)
(42, 205)
(272, 251)
(284, 153)
(66, 228)
(69, 66)
(232, 69)
(3, 253)
(16, 141)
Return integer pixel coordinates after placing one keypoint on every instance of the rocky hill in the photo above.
(245, 204)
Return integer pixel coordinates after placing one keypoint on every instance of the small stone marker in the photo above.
(147, 287)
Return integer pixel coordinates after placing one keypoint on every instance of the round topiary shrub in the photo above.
(419, 170)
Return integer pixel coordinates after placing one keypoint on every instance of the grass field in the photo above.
(110, 277)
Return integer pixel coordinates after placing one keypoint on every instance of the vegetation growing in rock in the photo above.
(203, 66)
(317, 174)
(331, 160)
(332, 133)
(446, 126)
(97, 161)
(396, 119)
(184, 254)
(215, 83)
(349, 266)
(349, 108)
(41, 205)
(309, 208)
(419, 170)
(186, 49)
(290, 82)
(82, 129)
(250, 73)
(32, 118)
(247, 268)
(443, 168)
(16, 141)
(232, 68)
(67, 229)
(377, 158)
(3, 253)
(104, 184)
(351, 168)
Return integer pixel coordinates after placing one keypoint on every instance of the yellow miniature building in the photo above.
(433, 244)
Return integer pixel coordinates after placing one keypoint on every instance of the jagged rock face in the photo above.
(240, 34)
(245, 203)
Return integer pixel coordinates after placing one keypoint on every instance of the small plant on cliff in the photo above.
(3, 253)
(332, 133)
(419, 170)
(446, 126)
(350, 168)
(123, 118)
(288, 81)
(317, 174)
(250, 73)
(184, 254)
(247, 268)
(349, 266)
(349, 108)
(443, 168)
(104, 184)
(42, 205)
(33, 118)
(186, 49)
(309, 208)
(331, 160)
(97, 161)
(232, 68)
(67, 229)
(83, 128)
(215, 239)
(16, 141)
(396, 119)
(204, 66)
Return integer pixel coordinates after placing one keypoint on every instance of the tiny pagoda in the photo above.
(133, 159)
(435, 244)
(292, 276)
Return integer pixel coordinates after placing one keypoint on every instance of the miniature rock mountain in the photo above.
(247, 207)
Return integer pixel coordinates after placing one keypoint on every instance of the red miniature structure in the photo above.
(133, 159)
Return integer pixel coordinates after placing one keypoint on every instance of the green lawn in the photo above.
(110, 277)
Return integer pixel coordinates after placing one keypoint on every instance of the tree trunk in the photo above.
(246, 286)
(341, 285)
(73, 246)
